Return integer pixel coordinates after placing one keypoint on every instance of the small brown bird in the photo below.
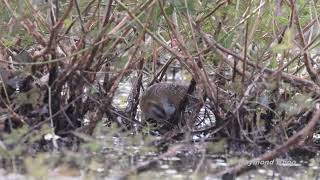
(160, 101)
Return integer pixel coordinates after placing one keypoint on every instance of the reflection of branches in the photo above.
(147, 165)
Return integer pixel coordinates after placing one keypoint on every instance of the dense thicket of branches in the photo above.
(255, 63)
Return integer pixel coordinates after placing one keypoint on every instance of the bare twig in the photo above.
(297, 139)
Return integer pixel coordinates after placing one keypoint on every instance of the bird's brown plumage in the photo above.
(160, 101)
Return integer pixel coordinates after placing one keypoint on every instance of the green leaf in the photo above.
(273, 63)
(168, 10)
(217, 147)
(37, 167)
(228, 39)
(287, 42)
(67, 22)
(182, 5)
(31, 97)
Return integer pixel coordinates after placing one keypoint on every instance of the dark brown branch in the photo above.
(297, 139)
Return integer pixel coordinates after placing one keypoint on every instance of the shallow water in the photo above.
(123, 151)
